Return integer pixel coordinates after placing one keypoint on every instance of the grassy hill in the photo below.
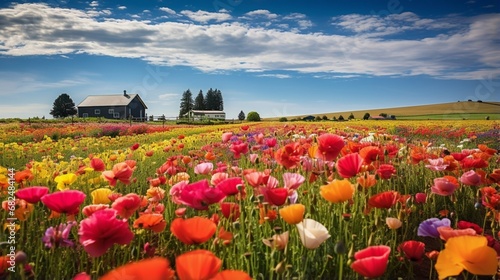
(453, 110)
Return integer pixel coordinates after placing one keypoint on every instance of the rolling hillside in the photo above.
(452, 110)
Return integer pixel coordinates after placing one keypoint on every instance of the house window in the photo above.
(116, 115)
(85, 115)
(111, 111)
(97, 111)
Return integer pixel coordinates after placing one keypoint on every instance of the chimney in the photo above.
(124, 93)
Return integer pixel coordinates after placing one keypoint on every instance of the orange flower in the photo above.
(152, 269)
(293, 214)
(154, 222)
(366, 180)
(371, 154)
(197, 264)
(194, 230)
(231, 275)
(337, 191)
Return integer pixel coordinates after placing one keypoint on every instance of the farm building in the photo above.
(204, 115)
(117, 106)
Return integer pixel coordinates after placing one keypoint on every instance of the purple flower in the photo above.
(58, 236)
(429, 227)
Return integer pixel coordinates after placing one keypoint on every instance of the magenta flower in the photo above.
(349, 165)
(443, 186)
(32, 194)
(238, 148)
(200, 195)
(230, 186)
(67, 202)
(100, 231)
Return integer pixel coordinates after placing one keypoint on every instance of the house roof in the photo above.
(207, 111)
(109, 100)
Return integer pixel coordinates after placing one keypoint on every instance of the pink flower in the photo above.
(443, 186)
(121, 172)
(67, 202)
(329, 146)
(126, 205)
(200, 195)
(348, 166)
(176, 190)
(226, 136)
(101, 230)
(218, 177)
(292, 181)
(385, 171)
(253, 157)
(270, 142)
(446, 232)
(32, 194)
(204, 168)
(239, 148)
(230, 186)
(471, 178)
(420, 198)
(436, 164)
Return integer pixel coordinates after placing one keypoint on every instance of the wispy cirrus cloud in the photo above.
(218, 42)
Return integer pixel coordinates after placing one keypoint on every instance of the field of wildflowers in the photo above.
(325, 200)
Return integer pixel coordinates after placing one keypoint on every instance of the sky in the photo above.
(276, 57)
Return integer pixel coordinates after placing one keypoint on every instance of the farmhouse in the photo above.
(204, 115)
(117, 106)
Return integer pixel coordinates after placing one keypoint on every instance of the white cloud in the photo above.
(94, 4)
(464, 53)
(167, 10)
(122, 7)
(168, 96)
(264, 13)
(279, 76)
(204, 17)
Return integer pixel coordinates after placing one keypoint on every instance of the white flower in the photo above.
(312, 233)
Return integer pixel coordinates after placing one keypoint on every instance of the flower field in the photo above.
(299, 200)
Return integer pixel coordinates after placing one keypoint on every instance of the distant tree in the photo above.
(199, 101)
(383, 115)
(341, 118)
(317, 118)
(63, 107)
(334, 118)
(241, 116)
(219, 102)
(325, 118)
(351, 117)
(187, 103)
(210, 100)
(253, 117)
(366, 116)
(283, 119)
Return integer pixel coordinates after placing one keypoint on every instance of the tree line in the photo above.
(211, 101)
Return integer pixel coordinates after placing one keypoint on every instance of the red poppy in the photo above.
(348, 166)
(276, 196)
(465, 225)
(197, 264)
(385, 199)
(371, 262)
(238, 148)
(154, 222)
(470, 162)
(385, 171)
(371, 154)
(231, 275)
(121, 172)
(67, 202)
(413, 250)
(32, 194)
(135, 147)
(22, 176)
(329, 146)
(151, 269)
(194, 230)
(230, 210)
(97, 164)
(289, 155)
(230, 186)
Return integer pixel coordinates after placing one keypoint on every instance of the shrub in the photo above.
(253, 117)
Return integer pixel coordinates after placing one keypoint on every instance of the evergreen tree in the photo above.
(366, 116)
(351, 116)
(241, 116)
(63, 107)
(210, 100)
(218, 100)
(187, 103)
(199, 101)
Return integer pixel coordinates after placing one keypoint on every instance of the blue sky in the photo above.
(276, 57)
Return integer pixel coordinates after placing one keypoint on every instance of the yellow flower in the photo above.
(101, 196)
(293, 214)
(63, 181)
(337, 191)
(471, 253)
